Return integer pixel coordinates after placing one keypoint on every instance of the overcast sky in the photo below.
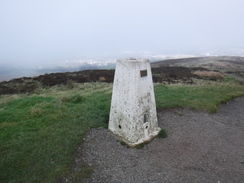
(40, 31)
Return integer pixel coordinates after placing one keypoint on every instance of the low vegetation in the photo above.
(204, 97)
(40, 132)
(162, 134)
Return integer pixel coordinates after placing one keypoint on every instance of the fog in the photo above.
(36, 33)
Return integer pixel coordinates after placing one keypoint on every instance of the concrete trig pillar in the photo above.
(133, 116)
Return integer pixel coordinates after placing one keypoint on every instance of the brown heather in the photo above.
(209, 74)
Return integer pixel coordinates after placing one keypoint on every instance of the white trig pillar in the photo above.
(133, 116)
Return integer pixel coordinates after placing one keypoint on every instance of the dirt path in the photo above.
(200, 147)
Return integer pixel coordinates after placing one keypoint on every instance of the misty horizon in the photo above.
(48, 33)
(8, 71)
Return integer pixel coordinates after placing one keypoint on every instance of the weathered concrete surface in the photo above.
(133, 115)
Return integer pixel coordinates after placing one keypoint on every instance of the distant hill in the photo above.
(226, 64)
(8, 72)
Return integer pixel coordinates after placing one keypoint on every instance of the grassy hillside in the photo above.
(40, 132)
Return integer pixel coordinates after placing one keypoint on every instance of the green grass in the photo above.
(230, 79)
(162, 134)
(39, 133)
(199, 97)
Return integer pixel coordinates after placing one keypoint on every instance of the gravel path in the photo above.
(200, 147)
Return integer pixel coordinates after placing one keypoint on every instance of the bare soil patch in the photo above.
(200, 147)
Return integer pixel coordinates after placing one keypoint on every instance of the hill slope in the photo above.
(166, 71)
(227, 64)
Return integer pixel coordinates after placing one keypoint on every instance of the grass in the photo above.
(199, 97)
(39, 133)
(162, 134)
(229, 79)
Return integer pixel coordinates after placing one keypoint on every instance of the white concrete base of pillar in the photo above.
(147, 139)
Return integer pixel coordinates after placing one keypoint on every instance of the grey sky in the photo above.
(34, 31)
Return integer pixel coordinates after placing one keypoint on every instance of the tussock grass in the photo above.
(39, 133)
